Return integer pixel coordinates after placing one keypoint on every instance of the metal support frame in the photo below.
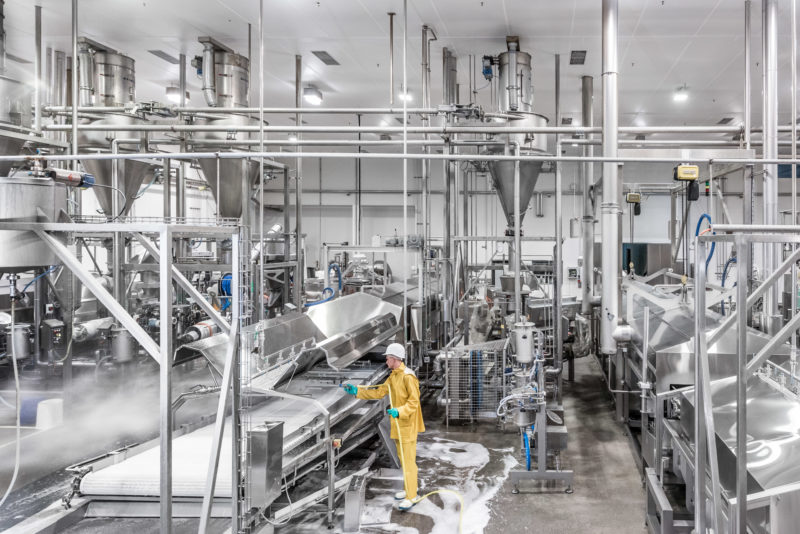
(219, 425)
(742, 236)
(162, 352)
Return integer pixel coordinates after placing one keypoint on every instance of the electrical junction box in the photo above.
(686, 173)
(572, 273)
(633, 198)
(52, 331)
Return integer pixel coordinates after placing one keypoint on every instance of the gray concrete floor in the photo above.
(609, 496)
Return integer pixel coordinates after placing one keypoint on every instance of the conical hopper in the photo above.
(131, 174)
(230, 182)
(503, 179)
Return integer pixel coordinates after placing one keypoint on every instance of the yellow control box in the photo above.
(686, 173)
(633, 198)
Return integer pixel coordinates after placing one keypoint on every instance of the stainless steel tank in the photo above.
(226, 84)
(21, 200)
(114, 79)
(515, 108)
(109, 79)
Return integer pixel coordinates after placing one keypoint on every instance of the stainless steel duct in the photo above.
(587, 223)
(610, 207)
(209, 86)
(86, 75)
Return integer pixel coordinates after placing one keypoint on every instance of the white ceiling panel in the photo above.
(663, 44)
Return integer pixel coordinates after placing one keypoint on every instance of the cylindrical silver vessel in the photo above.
(21, 198)
(522, 80)
(22, 340)
(231, 89)
(123, 346)
(114, 79)
(232, 81)
(523, 342)
(15, 110)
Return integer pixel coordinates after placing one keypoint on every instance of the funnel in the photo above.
(131, 173)
(230, 183)
(503, 179)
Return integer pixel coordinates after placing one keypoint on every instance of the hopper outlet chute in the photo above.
(131, 174)
(230, 191)
(503, 178)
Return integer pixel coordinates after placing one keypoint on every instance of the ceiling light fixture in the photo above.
(312, 95)
(681, 94)
(174, 95)
(406, 97)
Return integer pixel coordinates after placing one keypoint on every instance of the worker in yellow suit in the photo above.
(406, 410)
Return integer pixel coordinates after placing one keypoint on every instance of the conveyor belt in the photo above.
(138, 476)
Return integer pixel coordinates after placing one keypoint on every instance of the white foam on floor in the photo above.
(459, 464)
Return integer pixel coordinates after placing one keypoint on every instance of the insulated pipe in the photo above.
(559, 256)
(2, 38)
(74, 76)
(180, 182)
(85, 67)
(517, 241)
(770, 151)
(391, 58)
(209, 75)
(587, 225)
(610, 208)
(513, 103)
(37, 68)
(793, 300)
(298, 190)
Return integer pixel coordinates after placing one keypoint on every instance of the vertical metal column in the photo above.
(770, 151)
(517, 241)
(259, 297)
(793, 288)
(558, 259)
(165, 379)
(37, 68)
(357, 240)
(237, 291)
(587, 223)
(167, 193)
(741, 391)
(180, 181)
(298, 188)
(74, 89)
(447, 264)
(699, 430)
(287, 238)
(610, 208)
(391, 58)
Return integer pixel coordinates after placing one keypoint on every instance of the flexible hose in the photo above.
(527, 450)
(326, 290)
(403, 463)
(706, 216)
(48, 271)
(16, 388)
(338, 269)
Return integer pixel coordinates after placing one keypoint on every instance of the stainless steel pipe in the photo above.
(610, 207)
(587, 223)
(770, 151)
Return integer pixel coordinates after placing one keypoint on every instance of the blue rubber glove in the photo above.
(350, 389)
(393, 412)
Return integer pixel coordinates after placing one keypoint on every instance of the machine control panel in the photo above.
(52, 333)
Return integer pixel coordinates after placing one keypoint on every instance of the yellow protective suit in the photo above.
(404, 388)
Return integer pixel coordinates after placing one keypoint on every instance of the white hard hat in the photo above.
(396, 350)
